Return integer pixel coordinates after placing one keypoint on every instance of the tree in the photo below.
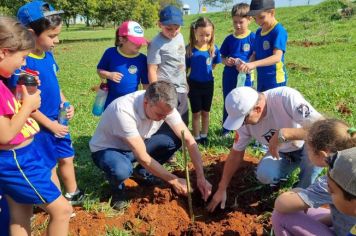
(163, 3)
(225, 4)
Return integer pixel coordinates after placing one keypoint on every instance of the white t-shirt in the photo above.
(125, 117)
(169, 55)
(286, 108)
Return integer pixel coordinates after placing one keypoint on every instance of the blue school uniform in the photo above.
(133, 68)
(200, 77)
(275, 75)
(51, 146)
(4, 216)
(236, 47)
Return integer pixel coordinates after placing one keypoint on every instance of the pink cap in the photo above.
(133, 31)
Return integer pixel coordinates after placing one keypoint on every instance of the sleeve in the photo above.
(173, 118)
(125, 124)
(299, 109)
(242, 139)
(281, 39)
(224, 49)
(316, 194)
(153, 53)
(4, 109)
(104, 63)
(217, 57)
(144, 71)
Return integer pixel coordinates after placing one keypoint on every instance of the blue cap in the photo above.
(35, 10)
(171, 15)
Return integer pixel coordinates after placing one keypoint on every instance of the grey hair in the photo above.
(162, 91)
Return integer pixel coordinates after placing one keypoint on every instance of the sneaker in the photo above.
(119, 201)
(203, 141)
(75, 199)
(225, 133)
(145, 178)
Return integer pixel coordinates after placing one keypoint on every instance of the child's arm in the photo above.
(268, 61)
(114, 76)
(56, 128)
(228, 61)
(152, 72)
(10, 127)
(289, 202)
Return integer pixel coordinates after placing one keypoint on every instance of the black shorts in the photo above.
(200, 95)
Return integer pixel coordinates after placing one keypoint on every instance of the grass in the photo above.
(325, 74)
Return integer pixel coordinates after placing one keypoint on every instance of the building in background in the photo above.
(186, 9)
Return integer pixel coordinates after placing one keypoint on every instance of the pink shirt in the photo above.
(9, 106)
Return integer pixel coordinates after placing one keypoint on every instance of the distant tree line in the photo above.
(100, 12)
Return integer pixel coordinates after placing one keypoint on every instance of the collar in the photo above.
(126, 55)
(267, 32)
(37, 56)
(140, 108)
(204, 48)
(242, 36)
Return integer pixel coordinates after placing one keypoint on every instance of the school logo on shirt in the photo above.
(266, 45)
(208, 61)
(246, 47)
(304, 110)
(132, 69)
(269, 134)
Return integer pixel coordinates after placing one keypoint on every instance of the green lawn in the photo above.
(325, 73)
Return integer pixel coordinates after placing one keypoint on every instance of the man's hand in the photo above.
(180, 186)
(219, 197)
(204, 187)
(273, 146)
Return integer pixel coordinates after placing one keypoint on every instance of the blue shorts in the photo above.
(53, 147)
(4, 216)
(25, 178)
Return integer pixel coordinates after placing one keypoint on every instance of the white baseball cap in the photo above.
(133, 31)
(238, 103)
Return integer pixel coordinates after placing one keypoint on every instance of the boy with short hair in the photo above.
(269, 47)
(166, 56)
(236, 46)
(342, 183)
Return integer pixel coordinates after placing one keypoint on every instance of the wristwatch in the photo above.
(281, 138)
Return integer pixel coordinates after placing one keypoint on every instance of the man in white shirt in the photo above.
(277, 118)
(127, 132)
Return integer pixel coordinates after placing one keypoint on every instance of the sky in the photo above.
(279, 3)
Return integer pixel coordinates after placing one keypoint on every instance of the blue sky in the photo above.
(279, 3)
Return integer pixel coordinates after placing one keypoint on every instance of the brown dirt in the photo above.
(159, 211)
(344, 109)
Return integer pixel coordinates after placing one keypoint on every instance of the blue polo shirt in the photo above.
(47, 67)
(133, 68)
(200, 65)
(275, 75)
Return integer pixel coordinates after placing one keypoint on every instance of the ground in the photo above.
(159, 211)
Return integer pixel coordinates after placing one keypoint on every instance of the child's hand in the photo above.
(58, 130)
(32, 101)
(230, 61)
(70, 111)
(115, 76)
(245, 67)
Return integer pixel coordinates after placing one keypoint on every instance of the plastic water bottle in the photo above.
(241, 79)
(27, 78)
(100, 99)
(62, 117)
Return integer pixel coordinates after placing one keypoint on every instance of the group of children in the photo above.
(33, 142)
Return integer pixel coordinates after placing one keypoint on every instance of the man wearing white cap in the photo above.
(276, 118)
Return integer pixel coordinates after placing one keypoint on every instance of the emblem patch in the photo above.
(269, 134)
(304, 110)
(266, 45)
(246, 47)
(132, 69)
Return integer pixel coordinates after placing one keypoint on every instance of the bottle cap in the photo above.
(27, 79)
(66, 105)
(104, 86)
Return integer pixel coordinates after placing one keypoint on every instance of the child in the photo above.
(166, 56)
(202, 57)
(45, 23)
(342, 182)
(269, 47)
(123, 65)
(324, 138)
(236, 46)
(24, 179)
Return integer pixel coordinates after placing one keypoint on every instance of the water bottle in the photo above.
(100, 99)
(62, 116)
(27, 78)
(241, 79)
